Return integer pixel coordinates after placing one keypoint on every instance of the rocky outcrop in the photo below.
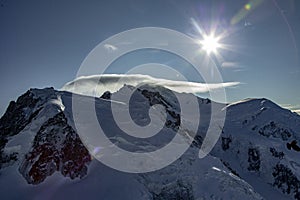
(272, 129)
(277, 154)
(226, 142)
(56, 147)
(154, 97)
(251, 146)
(176, 191)
(253, 159)
(286, 181)
(18, 115)
(106, 95)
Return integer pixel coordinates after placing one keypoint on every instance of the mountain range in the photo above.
(43, 156)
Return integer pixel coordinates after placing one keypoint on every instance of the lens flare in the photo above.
(245, 11)
(211, 40)
(210, 44)
(248, 6)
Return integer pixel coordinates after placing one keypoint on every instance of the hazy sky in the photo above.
(42, 43)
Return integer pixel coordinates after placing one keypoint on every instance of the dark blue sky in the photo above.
(42, 43)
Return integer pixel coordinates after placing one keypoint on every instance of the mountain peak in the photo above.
(39, 140)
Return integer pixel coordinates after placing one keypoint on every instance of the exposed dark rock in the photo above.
(286, 181)
(106, 95)
(254, 128)
(227, 165)
(15, 117)
(245, 122)
(253, 159)
(177, 191)
(226, 142)
(14, 120)
(277, 154)
(56, 147)
(275, 131)
(207, 101)
(157, 98)
(293, 145)
(197, 141)
(7, 159)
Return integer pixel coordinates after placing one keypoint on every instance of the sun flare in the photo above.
(210, 44)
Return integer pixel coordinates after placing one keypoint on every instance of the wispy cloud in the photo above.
(96, 85)
(110, 47)
(235, 66)
(293, 108)
(231, 65)
(288, 106)
(297, 111)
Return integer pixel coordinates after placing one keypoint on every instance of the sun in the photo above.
(210, 44)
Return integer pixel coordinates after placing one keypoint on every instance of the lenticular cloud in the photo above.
(96, 85)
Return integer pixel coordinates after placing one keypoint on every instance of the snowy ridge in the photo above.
(40, 147)
(254, 144)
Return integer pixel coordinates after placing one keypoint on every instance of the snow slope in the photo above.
(43, 157)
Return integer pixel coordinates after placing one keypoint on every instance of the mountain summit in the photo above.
(42, 156)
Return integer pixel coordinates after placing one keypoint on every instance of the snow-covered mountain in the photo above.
(42, 156)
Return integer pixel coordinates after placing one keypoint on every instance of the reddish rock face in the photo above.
(56, 147)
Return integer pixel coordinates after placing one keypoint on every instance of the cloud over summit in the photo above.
(96, 85)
